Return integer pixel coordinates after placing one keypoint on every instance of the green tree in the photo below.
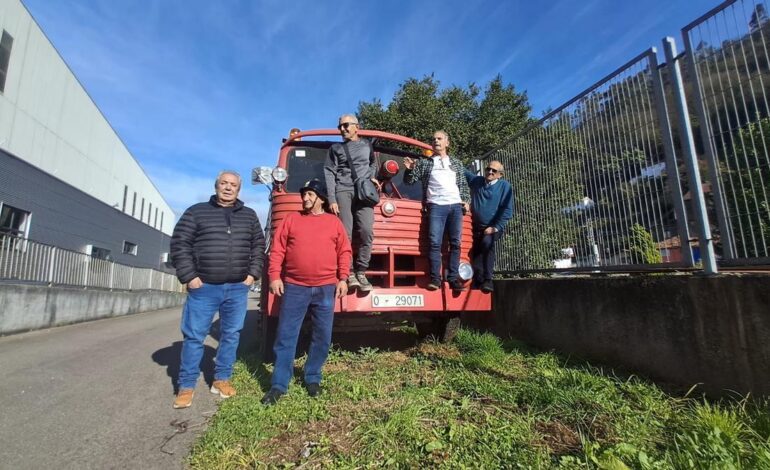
(642, 246)
(476, 122)
(745, 175)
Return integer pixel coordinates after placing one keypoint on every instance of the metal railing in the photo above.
(729, 65)
(597, 181)
(29, 261)
(592, 181)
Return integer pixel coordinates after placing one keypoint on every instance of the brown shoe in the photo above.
(223, 388)
(184, 398)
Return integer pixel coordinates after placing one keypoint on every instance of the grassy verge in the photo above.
(478, 403)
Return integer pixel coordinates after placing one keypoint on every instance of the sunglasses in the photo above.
(346, 125)
(493, 170)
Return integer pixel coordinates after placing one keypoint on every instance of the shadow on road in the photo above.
(170, 357)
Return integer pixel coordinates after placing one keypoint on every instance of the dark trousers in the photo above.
(444, 218)
(484, 254)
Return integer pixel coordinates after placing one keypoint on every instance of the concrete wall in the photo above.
(679, 329)
(24, 307)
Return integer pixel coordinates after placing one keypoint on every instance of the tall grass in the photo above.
(478, 403)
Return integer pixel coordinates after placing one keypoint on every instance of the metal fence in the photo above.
(599, 182)
(29, 261)
(729, 65)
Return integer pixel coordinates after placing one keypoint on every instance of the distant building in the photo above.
(66, 178)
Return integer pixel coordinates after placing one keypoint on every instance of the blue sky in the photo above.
(196, 86)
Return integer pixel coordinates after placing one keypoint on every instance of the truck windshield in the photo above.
(306, 161)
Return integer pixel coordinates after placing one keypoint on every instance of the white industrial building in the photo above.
(66, 178)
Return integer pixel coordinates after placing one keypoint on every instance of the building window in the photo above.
(149, 215)
(141, 213)
(5, 58)
(100, 253)
(155, 224)
(161, 222)
(133, 206)
(125, 198)
(129, 248)
(13, 221)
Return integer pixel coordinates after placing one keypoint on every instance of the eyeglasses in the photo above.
(493, 170)
(346, 125)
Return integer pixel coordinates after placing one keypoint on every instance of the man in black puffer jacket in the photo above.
(218, 250)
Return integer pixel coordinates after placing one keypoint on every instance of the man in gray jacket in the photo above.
(355, 216)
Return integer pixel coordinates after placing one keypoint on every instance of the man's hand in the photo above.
(466, 208)
(408, 163)
(341, 290)
(249, 280)
(490, 231)
(377, 183)
(194, 284)
(276, 287)
(335, 208)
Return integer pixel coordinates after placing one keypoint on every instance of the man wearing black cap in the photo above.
(309, 268)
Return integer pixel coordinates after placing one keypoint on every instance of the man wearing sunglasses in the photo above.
(356, 217)
(492, 208)
(445, 197)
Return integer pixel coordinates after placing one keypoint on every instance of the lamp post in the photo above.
(586, 205)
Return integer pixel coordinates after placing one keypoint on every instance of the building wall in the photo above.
(48, 120)
(63, 216)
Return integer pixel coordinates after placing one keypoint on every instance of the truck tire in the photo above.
(443, 328)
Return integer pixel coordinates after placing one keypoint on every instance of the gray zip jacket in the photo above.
(337, 168)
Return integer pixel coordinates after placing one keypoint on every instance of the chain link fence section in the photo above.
(729, 66)
(591, 182)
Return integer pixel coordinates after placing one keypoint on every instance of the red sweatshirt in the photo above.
(313, 250)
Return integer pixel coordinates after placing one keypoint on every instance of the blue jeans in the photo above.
(484, 254)
(296, 302)
(443, 218)
(199, 309)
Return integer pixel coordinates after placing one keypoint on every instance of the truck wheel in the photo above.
(268, 328)
(444, 328)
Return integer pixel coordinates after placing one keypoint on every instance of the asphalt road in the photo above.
(99, 395)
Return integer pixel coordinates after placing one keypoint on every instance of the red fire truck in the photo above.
(399, 268)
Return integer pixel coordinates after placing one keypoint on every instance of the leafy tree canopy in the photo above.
(476, 122)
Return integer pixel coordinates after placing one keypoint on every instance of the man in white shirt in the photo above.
(446, 197)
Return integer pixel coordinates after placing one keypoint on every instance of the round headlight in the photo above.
(280, 174)
(388, 209)
(465, 271)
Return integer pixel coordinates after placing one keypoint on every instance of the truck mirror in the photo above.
(262, 175)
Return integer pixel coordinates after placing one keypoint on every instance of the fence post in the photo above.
(150, 283)
(86, 272)
(672, 169)
(51, 265)
(131, 279)
(690, 159)
(112, 274)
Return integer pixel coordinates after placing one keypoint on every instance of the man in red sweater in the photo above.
(309, 267)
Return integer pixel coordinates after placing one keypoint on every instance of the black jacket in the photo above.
(218, 244)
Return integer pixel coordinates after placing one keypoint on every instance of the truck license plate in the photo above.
(397, 300)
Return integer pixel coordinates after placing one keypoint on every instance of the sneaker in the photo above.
(487, 287)
(434, 285)
(363, 283)
(272, 397)
(353, 282)
(457, 285)
(313, 390)
(224, 388)
(184, 398)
